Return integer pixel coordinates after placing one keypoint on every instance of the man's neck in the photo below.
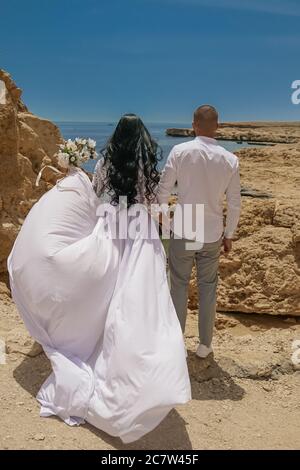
(206, 134)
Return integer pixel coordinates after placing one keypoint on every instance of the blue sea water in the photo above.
(101, 131)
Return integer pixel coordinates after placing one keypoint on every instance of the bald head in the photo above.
(205, 120)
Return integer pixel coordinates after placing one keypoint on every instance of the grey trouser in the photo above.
(181, 263)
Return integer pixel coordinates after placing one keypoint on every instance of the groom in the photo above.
(205, 172)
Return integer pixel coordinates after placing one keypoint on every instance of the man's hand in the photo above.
(227, 244)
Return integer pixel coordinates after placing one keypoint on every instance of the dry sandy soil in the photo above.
(246, 397)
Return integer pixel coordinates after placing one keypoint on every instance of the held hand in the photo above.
(227, 244)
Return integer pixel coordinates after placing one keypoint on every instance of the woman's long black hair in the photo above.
(130, 151)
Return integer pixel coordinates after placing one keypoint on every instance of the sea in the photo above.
(101, 131)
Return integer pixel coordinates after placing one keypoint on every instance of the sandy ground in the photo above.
(245, 397)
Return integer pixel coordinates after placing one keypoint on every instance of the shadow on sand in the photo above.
(209, 382)
(170, 434)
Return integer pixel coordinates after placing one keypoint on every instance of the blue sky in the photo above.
(93, 60)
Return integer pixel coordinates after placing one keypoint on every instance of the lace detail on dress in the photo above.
(99, 177)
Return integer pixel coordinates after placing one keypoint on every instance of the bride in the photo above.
(98, 302)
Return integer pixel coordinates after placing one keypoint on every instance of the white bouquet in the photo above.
(76, 152)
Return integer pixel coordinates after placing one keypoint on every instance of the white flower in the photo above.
(80, 142)
(62, 147)
(76, 152)
(63, 159)
(85, 156)
(71, 145)
(73, 159)
(91, 143)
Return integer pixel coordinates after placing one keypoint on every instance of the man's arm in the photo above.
(168, 179)
(233, 198)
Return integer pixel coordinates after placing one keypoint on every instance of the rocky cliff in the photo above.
(27, 143)
(262, 274)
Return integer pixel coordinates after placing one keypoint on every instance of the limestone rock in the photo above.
(27, 144)
(4, 290)
(225, 321)
(262, 274)
(18, 340)
(242, 363)
(39, 437)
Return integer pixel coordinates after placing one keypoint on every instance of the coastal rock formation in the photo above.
(27, 143)
(262, 274)
(265, 132)
(252, 132)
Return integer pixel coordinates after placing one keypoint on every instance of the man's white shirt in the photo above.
(205, 173)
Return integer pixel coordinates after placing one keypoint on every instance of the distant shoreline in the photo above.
(254, 133)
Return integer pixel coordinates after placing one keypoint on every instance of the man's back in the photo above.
(204, 172)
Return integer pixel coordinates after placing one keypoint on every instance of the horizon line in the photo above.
(179, 122)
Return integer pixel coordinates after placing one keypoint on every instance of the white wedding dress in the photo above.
(102, 311)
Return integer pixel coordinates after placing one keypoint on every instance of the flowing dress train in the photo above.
(101, 309)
